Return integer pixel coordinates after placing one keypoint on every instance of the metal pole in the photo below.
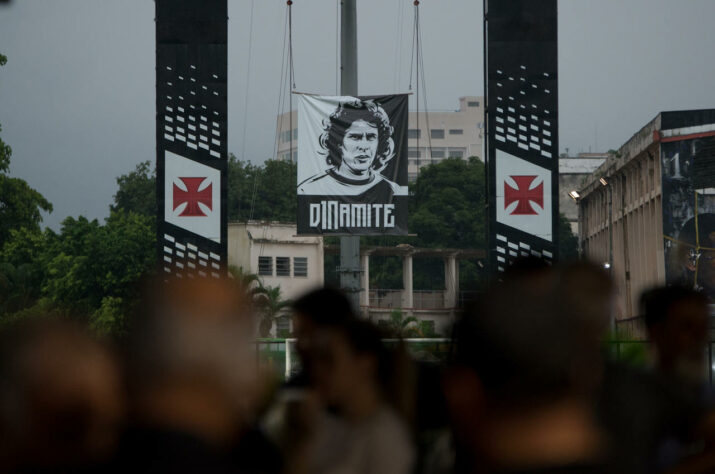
(349, 246)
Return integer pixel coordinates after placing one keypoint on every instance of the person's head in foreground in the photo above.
(191, 361)
(317, 309)
(677, 322)
(350, 367)
(526, 366)
(60, 397)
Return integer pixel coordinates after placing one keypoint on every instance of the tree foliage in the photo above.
(20, 205)
(259, 192)
(264, 192)
(136, 191)
(88, 270)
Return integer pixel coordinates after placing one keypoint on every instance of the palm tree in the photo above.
(270, 307)
(402, 326)
(267, 300)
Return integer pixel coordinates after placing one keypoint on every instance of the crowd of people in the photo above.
(528, 387)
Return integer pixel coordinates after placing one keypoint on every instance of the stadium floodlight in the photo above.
(603, 181)
(574, 195)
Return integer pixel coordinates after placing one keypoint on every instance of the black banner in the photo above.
(521, 82)
(688, 214)
(352, 165)
(191, 105)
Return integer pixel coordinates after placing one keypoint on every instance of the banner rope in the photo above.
(248, 84)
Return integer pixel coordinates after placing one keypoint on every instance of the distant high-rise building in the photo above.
(432, 137)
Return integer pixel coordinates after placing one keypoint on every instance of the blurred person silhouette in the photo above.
(660, 415)
(192, 380)
(526, 367)
(313, 311)
(347, 424)
(61, 399)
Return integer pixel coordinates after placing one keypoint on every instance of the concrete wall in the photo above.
(249, 241)
(628, 213)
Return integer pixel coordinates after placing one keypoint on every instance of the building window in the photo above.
(300, 267)
(283, 326)
(411, 176)
(283, 266)
(295, 156)
(295, 134)
(414, 133)
(437, 133)
(265, 266)
(456, 152)
(456, 131)
(437, 152)
(413, 153)
(473, 103)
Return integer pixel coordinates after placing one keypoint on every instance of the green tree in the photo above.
(401, 326)
(271, 306)
(91, 262)
(447, 205)
(568, 242)
(137, 191)
(20, 205)
(264, 192)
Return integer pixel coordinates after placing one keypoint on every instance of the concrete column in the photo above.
(451, 282)
(407, 293)
(365, 285)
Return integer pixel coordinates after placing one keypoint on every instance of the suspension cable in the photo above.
(248, 84)
(291, 87)
(417, 66)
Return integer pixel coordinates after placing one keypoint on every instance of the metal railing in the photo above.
(279, 354)
(393, 299)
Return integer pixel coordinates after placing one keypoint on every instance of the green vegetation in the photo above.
(91, 270)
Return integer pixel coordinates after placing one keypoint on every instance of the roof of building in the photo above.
(579, 165)
(678, 121)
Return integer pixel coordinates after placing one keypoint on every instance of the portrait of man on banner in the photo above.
(351, 165)
(357, 146)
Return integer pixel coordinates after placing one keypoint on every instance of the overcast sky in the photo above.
(77, 94)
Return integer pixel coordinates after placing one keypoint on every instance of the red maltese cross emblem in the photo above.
(523, 196)
(192, 197)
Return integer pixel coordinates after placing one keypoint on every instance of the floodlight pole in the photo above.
(349, 246)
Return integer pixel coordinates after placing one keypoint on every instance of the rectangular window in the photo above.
(414, 133)
(437, 152)
(300, 267)
(283, 326)
(473, 104)
(295, 134)
(295, 156)
(456, 131)
(437, 133)
(283, 266)
(265, 266)
(456, 152)
(413, 153)
(412, 176)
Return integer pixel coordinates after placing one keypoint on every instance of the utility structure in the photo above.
(349, 245)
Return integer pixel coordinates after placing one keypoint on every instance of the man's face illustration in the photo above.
(359, 147)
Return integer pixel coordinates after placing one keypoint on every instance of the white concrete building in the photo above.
(273, 251)
(431, 137)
